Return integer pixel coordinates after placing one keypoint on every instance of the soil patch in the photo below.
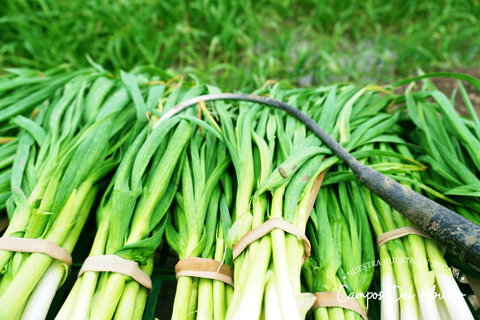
(447, 86)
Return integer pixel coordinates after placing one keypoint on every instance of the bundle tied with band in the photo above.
(109, 263)
(47, 247)
(398, 233)
(127, 259)
(113, 263)
(328, 298)
(279, 223)
(336, 299)
(266, 227)
(204, 268)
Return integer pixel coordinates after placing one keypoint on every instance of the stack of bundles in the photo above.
(273, 152)
(268, 264)
(266, 221)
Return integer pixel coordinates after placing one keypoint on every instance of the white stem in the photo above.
(250, 304)
(84, 296)
(389, 302)
(452, 296)
(424, 284)
(272, 303)
(441, 309)
(42, 296)
(67, 307)
(285, 293)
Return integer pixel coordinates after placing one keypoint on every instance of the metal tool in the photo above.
(452, 231)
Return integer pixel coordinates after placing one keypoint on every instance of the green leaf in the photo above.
(30, 126)
(130, 82)
(141, 250)
(466, 190)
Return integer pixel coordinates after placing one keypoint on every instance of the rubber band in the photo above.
(204, 268)
(272, 223)
(113, 263)
(398, 233)
(36, 246)
(336, 299)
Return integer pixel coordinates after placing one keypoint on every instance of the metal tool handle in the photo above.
(452, 231)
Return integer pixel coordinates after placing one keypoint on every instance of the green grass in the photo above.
(241, 44)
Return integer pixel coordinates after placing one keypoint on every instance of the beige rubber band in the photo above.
(204, 268)
(315, 189)
(3, 224)
(398, 233)
(113, 263)
(36, 246)
(266, 227)
(336, 299)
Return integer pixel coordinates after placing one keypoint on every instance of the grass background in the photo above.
(240, 44)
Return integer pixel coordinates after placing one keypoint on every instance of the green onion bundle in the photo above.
(341, 242)
(131, 219)
(74, 142)
(339, 229)
(450, 147)
(298, 157)
(413, 271)
(253, 153)
(196, 229)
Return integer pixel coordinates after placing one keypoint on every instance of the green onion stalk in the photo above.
(56, 166)
(196, 229)
(132, 216)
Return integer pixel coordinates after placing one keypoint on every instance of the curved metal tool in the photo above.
(452, 231)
